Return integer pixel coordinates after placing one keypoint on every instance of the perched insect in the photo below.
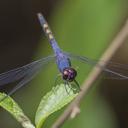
(68, 73)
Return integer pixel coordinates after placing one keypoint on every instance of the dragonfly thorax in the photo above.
(69, 74)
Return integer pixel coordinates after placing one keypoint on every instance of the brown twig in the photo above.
(114, 46)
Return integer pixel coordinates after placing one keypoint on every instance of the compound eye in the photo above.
(65, 74)
(69, 74)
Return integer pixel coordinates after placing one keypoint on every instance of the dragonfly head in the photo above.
(69, 74)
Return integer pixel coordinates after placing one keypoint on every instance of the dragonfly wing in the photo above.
(19, 73)
(115, 70)
(28, 77)
(121, 69)
(14, 75)
(30, 71)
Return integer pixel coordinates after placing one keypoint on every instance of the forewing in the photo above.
(25, 73)
(21, 72)
(113, 70)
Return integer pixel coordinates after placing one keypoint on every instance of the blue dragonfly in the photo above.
(63, 60)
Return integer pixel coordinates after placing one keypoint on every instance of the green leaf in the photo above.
(12, 107)
(54, 100)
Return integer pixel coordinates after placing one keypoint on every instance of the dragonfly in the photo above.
(63, 60)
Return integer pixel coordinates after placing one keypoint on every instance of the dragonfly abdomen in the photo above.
(49, 34)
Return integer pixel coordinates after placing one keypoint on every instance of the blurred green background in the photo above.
(84, 27)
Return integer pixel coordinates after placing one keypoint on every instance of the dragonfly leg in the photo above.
(71, 88)
(65, 85)
(77, 85)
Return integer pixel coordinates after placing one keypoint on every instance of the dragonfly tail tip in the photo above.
(41, 18)
(39, 14)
